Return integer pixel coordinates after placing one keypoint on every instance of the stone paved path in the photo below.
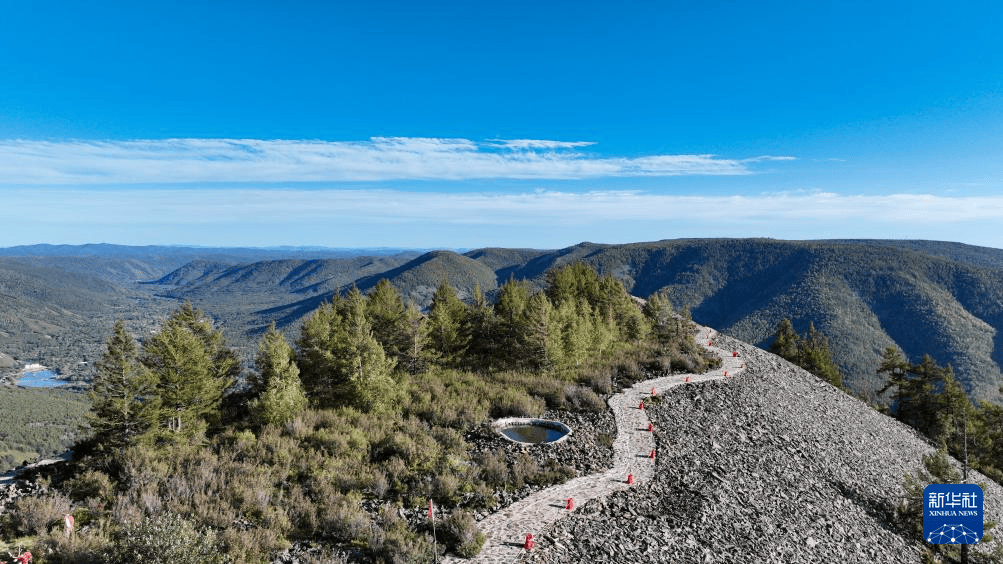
(506, 529)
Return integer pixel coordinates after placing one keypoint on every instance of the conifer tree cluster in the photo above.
(354, 350)
(926, 396)
(168, 389)
(809, 351)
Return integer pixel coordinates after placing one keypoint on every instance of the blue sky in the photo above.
(520, 124)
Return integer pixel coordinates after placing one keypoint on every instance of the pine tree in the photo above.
(573, 282)
(576, 331)
(539, 335)
(414, 358)
(387, 314)
(366, 370)
(479, 330)
(658, 311)
(988, 439)
(914, 400)
(341, 361)
(511, 313)
(193, 368)
(123, 397)
(276, 388)
(445, 317)
(785, 341)
(322, 334)
(815, 356)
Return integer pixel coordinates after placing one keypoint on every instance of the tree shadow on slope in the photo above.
(879, 508)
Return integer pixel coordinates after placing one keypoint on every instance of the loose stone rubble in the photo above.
(772, 466)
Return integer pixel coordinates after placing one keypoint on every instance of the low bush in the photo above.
(166, 539)
(34, 515)
(494, 471)
(91, 484)
(584, 399)
(461, 535)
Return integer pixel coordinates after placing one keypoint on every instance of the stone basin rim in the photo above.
(506, 422)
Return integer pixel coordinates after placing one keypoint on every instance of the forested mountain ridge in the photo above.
(925, 297)
(864, 296)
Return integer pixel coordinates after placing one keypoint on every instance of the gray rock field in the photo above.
(771, 466)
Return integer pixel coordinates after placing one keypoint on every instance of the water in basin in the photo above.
(39, 379)
(532, 433)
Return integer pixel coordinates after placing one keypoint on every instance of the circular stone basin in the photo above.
(532, 431)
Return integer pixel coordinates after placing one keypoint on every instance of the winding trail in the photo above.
(506, 529)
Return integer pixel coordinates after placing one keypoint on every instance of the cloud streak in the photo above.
(274, 206)
(378, 159)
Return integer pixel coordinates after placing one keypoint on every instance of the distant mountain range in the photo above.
(926, 297)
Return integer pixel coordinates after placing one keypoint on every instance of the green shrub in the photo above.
(584, 399)
(461, 535)
(34, 515)
(516, 403)
(83, 547)
(494, 471)
(91, 484)
(166, 539)
(252, 545)
(392, 541)
(446, 487)
(524, 469)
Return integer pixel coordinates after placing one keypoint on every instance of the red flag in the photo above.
(431, 514)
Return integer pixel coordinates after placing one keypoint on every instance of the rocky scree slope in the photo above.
(772, 466)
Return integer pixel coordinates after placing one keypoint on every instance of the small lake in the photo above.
(532, 434)
(39, 379)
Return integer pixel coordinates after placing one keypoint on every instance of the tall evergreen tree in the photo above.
(658, 311)
(387, 315)
(445, 318)
(123, 395)
(785, 341)
(415, 356)
(479, 330)
(577, 327)
(539, 336)
(365, 370)
(511, 313)
(914, 400)
(810, 352)
(321, 336)
(276, 388)
(194, 369)
(341, 362)
(573, 282)
(815, 356)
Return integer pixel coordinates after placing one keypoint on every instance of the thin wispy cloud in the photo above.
(378, 159)
(540, 144)
(255, 206)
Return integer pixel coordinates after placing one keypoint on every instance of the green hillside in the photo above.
(925, 297)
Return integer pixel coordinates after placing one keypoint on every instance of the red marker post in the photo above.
(650, 427)
(642, 405)
(571, 504)
(652, 455)
(630, 479)
(528, 545)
